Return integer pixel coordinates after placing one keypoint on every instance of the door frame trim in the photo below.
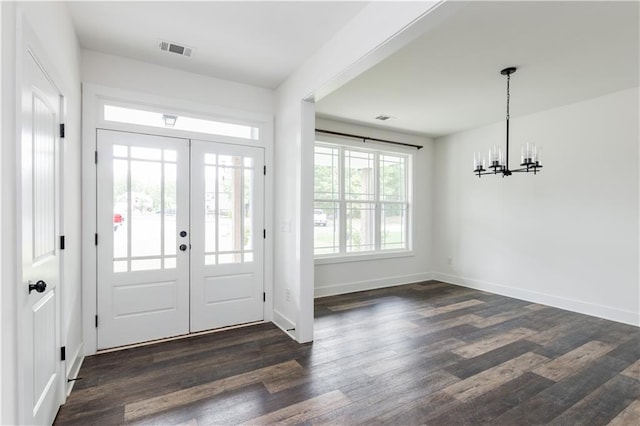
(28, 44)
(93, 97)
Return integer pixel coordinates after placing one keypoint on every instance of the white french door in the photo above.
(226, 256)
(143, 205)
(177, 251)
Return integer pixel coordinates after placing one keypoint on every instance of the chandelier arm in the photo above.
(529, 169)
(489, 172)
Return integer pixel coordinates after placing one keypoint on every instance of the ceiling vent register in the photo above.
(179, 49)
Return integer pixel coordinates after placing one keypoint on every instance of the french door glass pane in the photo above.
(229, 207)
(120, 211)
(229, 234)
(230, 258)
(170, 209)
(145, 264)
(211, 210)
(247, 207)
(144, 208)
(360, 227)
(143, 153)
(146, 228)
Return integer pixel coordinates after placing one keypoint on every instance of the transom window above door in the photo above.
(155, 118)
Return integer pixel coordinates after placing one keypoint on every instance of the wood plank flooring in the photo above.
(424, 353)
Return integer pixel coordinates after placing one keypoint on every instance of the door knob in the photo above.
(39, 286)
(183, 233)
(183, 247)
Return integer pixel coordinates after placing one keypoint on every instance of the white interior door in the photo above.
(40, 365)
(143, 241)
(227, 190)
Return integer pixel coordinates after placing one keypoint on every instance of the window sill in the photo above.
(357, 257)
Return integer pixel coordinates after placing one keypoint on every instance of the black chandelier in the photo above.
(530, 159)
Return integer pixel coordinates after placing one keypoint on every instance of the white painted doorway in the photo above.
(179, 242)
(40, 372)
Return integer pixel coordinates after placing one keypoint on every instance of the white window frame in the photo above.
(377, 150)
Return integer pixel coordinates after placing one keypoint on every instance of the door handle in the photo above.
(183, 247)
(39, 286)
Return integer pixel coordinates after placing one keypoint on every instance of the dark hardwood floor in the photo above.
(427, 353)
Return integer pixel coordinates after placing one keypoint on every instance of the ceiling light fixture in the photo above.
(169, 120)
(530, 159)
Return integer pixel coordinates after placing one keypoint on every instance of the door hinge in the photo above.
(62, 130)
(63, 353)
(96, 321)
(264, 297)
(265, 170)
(95, 157)
(96, 239)
(61, 242)
(264, 233)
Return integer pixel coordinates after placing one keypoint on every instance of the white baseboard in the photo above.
(75, 362)
(332, 290)
(284, 324)
(600, 311)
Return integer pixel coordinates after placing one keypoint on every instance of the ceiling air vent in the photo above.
(384, 117)
(167, 46)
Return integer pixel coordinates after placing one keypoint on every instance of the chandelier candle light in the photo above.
(530, 157)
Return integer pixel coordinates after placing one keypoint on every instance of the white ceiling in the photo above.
(448, 80)
(257, 43)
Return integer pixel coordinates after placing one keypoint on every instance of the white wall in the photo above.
(52, 25)
(343, 277)
(123, 73)
(567, 237)
(351, 51)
